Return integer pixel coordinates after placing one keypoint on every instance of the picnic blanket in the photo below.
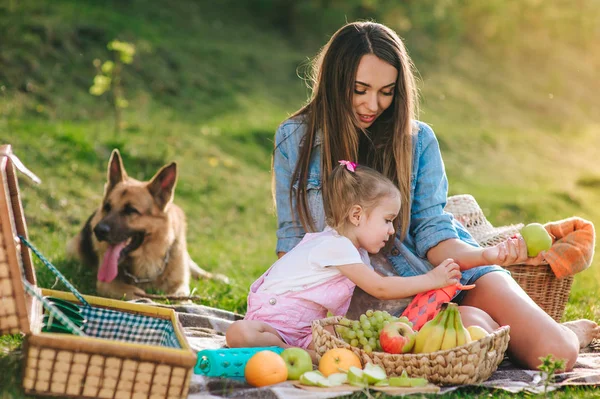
(205, 327)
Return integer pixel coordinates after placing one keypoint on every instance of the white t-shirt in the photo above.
(313, 261)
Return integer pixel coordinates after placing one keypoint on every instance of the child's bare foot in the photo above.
(586, 330)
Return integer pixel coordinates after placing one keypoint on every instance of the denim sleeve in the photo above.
(429, 224)
(289, 228)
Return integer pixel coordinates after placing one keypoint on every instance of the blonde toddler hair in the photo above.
(345, 188)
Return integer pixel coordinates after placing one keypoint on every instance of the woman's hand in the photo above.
(511, 252)
(445, 274)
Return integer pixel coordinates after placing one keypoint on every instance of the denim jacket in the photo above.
(429, 223)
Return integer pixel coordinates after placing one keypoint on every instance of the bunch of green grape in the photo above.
(364, 332)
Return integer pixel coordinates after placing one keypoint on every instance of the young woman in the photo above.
(363, 107)
(319, 274)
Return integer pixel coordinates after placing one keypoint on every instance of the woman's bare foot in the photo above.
(586, 330)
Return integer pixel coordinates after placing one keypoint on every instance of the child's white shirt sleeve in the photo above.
(334, 251)
(308, 264)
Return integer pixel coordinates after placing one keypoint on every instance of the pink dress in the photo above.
(292, 313)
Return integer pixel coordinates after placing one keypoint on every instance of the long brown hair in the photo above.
(329, 111)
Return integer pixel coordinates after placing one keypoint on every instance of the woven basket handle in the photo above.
(55, 271)
(330, 321)
(53, 310)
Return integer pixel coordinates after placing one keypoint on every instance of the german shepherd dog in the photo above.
(136, 238)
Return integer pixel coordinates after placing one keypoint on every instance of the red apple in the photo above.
(397, 337)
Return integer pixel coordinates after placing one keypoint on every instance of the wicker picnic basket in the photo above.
(539, 282)
(467, 364)
(125, 350)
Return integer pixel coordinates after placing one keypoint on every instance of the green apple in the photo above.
(337, 379)
(405, 381)
(537, 239)
(356, 377)
(418, 382)
(298, 362)
(311, 378)
(382, 383)
(324, 383)
(374, 373)
(402, 381)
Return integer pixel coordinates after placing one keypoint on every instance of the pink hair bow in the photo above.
(351, 166)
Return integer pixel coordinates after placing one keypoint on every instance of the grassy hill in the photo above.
(208, 87)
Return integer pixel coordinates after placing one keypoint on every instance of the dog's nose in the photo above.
(101, 231)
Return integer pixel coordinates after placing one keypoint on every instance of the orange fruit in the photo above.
(265, 368)
(338, 360)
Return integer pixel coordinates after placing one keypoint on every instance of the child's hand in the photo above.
(510, 252)
(445, 274)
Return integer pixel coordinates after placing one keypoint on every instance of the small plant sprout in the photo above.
(109, 74)
(548, 369)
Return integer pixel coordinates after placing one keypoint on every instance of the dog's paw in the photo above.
(134, 293)
(221, 277)
(198, 272)
(119, 290)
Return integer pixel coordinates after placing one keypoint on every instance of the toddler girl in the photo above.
(320, 273)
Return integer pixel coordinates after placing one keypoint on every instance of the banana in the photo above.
(436, 336)
(450, 337)
(423, 334)
(462, 334)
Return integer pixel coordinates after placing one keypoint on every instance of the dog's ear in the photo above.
(116, 172)
(162, 185)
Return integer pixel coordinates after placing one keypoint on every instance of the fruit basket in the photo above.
(467, 364)
(124, 350)
(539, 282)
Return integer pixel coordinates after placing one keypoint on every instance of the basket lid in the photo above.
(15, 259)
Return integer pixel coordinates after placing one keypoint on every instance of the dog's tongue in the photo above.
(108, 270)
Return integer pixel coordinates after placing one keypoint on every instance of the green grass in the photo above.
(209, 87)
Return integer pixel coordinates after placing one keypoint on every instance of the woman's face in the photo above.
(374, 89)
